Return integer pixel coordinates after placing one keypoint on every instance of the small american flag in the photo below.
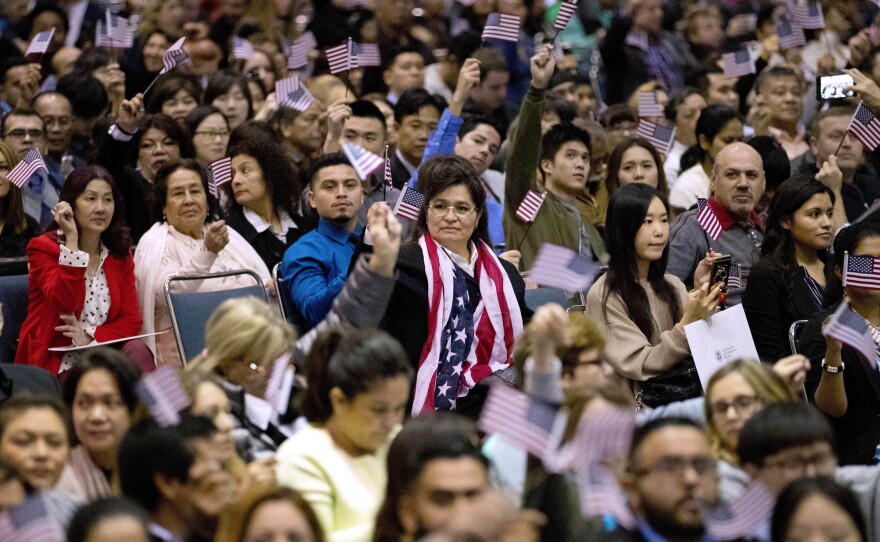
(707, 219)
(522, 420)
(809, 17)
(848, 327)
(660, 136)
(290, 92)
(219, 173)
(341, 57)
(363, 161)
(31, 162)
(734, 276)
(114, 31)
(174, 56)
(30, 520)
(367, 55)
(790, 34)
(409, 204)
(501, 26)
(861, 271)
(39, 45)
(744, 516)
(298, 51)
(563, 268)
(600, 495)
(242, 49)
(566, 10)
(737, 64)
(531, 204)
(865, 126)
(276, 392)
(648, 105)
(388, 179)
(163, 394)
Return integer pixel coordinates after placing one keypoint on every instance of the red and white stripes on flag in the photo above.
(848, 327)
(409, 204)
(242, 49)
(790, 34)
(809, 17)
(39, 45)
(521, 420)
(114, 31)
(290, 92)
(737, 64)
(734, 276)
(744, 516)
(298, 51)
(277, 388)
(531, 204)
(662, 137)
(367, 55)
(563, 268)
(707, 219)
(174, 56)
(164, 395)
(30, 520)
(648, 105)
(865, 126)
(30, 163)
(219, 173)
(341, 57)
(501, 26)
(861, 271)
(388, 180)
(363, 161)
(566, 11)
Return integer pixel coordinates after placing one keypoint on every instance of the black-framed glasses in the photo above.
(673, 465)
(20, 133)
(740, 403)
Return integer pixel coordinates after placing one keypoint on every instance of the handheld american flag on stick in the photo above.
(219, 173)
(363, 161)
(566, 10)
(865, 126)
(242, 49)
(501, 26)
(409, 204)
(523, 421)
(30, 520)
(563, 268)
(734, 276)
(341, 58)
(163, 394)
(39, 45)
(790, 34)
(737, 64)
(114, 31)
(291, 93)
(278, 387)
(531, 204)
(848, 327)
(809, 17)
(660, 136)
(298, 51)
(173, 57)
(742, 517)
(31, 162)
(367, 55)
(388, 180)
(648, 105)
(707, 219)
(861, 271)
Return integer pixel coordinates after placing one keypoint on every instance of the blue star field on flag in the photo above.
(456, 341)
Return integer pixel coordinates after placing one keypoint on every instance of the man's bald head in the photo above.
(738, 179)
(64, 60)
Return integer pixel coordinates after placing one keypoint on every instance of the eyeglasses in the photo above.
(671, 465)
(461, 210)
(256, 368)
(799, 463)
(20, 134)
(212, 135)
(740, 403)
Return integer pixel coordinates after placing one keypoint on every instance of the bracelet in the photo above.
(831, 369)
(129, 134)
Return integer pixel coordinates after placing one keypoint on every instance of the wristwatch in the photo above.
(832, 370)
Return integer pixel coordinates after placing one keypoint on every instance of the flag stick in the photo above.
(151, 85)
(385, 181)
(842, 139)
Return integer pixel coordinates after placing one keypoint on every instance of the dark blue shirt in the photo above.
(315, 269)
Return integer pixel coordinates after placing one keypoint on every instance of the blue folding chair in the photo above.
(190, 310)
(14, 301)
(283, 297)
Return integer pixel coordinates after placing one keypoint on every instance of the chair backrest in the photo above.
(283, 294)
(543, 295)
(190, 310)
(794, 332)
(14, 299)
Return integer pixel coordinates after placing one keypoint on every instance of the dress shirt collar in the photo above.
(726, 220)
(338, 233)
(409, 167)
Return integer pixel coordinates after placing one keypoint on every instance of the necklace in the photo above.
(875, 333)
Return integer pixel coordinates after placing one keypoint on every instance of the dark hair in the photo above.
(159, 195)
(617, 113)
(92, 59)
(833, 111)
(670, 110)
(612, 178)
(146, 450)
(778, 427)
(627, 210)
(324, 161)
(170, 128)
(471, 122)
(199, 114)
(464, 46)
(778, 242)
(777, 168)
(19, 112)
(116, 237)
(367, 109)
(92, 514)
(352, 360)
(9, 63)
(491, 60)
(88, 97)
(712, 120)
(14, 406)
(12, 206)
(282, 181)
(643, 431)
(772, 73)
(426, 438)
(564, 109)
(413, 100)
(26, 25)
(558, 136)
(441, 173)
(847, 240)
(234, 521)
(124, 372)
(221, 82)
(793, 496)
(168, 86)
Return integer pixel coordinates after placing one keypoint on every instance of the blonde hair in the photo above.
(768, 386)
(243, 330)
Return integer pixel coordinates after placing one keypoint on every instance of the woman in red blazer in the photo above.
(81, 285)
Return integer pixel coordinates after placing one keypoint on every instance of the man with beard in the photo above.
(315, 267)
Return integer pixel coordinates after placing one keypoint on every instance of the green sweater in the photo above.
(555, 222)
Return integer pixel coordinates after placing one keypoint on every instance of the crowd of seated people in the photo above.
(394, 212)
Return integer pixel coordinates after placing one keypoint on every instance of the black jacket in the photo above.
(269, 247)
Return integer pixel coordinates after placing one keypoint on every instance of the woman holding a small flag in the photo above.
(16, 227)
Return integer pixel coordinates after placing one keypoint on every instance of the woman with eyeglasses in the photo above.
(210, 133)
(16, 227)
(456, 307)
